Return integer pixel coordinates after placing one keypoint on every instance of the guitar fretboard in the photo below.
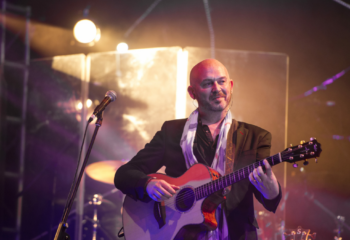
(227, 180)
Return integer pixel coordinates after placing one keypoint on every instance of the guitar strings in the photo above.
(211, 186)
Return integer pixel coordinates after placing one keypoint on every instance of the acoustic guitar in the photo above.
(192, 208)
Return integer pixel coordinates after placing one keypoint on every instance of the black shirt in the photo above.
(204, 146)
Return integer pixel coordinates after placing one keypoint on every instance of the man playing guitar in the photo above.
(211, 137)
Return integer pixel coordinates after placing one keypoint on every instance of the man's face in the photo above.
(211, 86)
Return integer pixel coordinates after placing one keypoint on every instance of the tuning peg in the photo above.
(316, 160)
(291, 145)
(306, 163)
(311, 139)
(295, 165)
(302, 141)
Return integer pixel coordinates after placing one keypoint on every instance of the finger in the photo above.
(153, 196)
(261, 174)
(164, 192)
(256, 176)
(171, 188)
(251, 179)
(157, 194)
(268, 168)
(168, 188)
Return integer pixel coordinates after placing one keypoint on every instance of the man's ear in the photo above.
(191, 92)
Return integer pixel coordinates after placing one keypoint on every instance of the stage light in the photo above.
(122, 47)
(80, 106)
(85, 31)
(88, 103)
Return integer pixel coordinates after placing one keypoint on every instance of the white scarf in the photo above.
(187, 140)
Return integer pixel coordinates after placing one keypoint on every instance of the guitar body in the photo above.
(181, 216)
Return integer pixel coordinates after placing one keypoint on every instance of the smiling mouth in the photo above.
(217, 97)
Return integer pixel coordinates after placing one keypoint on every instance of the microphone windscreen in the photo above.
(112, 95)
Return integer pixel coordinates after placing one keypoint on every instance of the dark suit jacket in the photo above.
(252, 144)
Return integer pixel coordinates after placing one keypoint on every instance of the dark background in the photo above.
(315, 34)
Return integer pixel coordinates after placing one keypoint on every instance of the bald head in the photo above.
(211, 86)
(204, 68)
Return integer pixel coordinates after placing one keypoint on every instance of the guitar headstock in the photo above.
(303, 151)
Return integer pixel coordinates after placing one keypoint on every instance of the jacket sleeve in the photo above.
(132, 177)
(263, 152)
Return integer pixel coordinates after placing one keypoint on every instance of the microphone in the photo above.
(109, 97)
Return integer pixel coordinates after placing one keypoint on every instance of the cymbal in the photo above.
(104, 171)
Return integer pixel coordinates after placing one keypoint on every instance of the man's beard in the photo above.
(209, 105)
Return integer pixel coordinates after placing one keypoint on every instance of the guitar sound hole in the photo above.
(185, 199)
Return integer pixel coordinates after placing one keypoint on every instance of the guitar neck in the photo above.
(229, 179)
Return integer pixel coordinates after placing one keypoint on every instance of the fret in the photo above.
(234, 177)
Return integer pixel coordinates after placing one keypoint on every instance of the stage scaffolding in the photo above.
(11, 229)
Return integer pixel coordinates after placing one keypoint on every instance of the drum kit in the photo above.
(103, 171)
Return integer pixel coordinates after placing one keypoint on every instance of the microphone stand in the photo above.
(61, 230)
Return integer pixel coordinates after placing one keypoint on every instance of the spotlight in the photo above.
(88, 103)
(85, 31)
(122, 47)
(79, 106)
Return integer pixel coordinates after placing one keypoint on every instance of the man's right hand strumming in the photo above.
(160, 190)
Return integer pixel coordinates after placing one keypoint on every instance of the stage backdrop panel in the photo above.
(145, 83)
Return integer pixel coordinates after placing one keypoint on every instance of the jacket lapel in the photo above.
(241, 134)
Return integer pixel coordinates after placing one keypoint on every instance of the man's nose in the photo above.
(215, 87)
